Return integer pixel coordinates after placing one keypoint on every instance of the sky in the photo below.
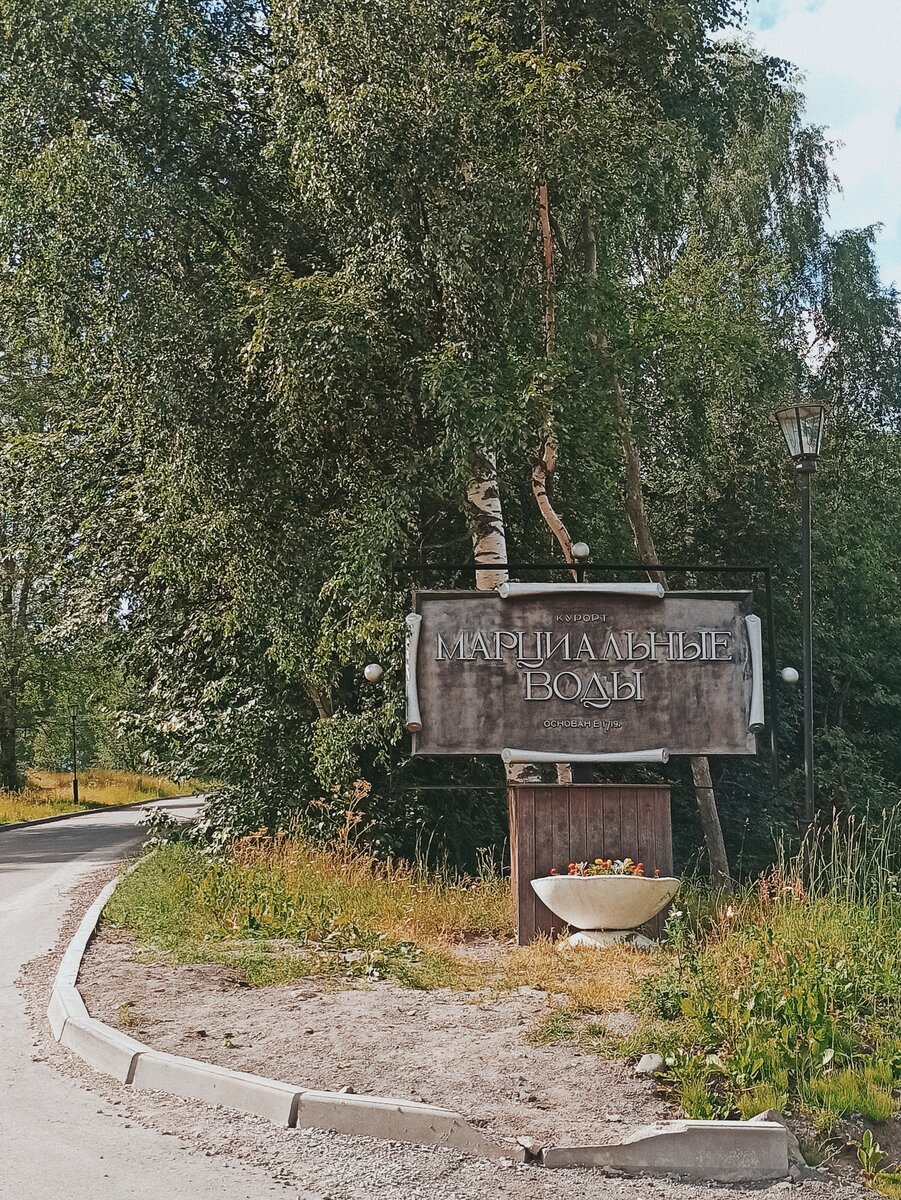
(850, 54)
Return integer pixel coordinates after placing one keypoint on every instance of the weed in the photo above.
(556, 1026)
(870, 1154)
(787, 995)
(126, 1015)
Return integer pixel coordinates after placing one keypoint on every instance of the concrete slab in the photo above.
(216, 1085)
(70, 963)
(56, 1014)
(397, 1120)
(773, 1116)
(720, 1151)
(66, 999)
(103, 1048)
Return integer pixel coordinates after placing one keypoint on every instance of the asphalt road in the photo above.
(54, 1144)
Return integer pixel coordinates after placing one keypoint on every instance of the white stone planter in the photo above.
(606, 909)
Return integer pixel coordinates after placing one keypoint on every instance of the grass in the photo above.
(789, 995)
(49, 793)
(280, 909)
(887, 1183)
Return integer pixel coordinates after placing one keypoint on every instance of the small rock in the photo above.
(613, 1117)
(348, 1089)
(649, 1064)
(505, 1162)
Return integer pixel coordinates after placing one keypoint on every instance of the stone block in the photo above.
(216, 1085)
(773, 1116)
(398, 1121)
(101, 1047)
(720, 1151)
(650, 1064)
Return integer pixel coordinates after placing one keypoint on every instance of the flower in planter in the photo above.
(605, 866)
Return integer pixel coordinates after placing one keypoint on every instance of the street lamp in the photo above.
(73, 713)
(802, 427)
(581, 552)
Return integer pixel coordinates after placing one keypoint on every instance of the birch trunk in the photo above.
(486, 520)
(485, 516)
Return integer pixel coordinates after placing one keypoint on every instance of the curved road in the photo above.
(54, 1143)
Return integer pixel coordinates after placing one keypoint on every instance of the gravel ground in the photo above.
(315, 1165)
(459, 1050)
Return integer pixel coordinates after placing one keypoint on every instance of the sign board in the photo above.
(584, 672)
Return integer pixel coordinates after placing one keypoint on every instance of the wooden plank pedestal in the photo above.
(552, 825)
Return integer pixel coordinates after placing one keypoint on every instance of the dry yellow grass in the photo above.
(49, 793)
(269, 894)
(398, 899)
(591, 982)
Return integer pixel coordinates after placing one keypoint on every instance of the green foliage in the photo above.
(789, 993)
(290, 912)
(271, 279)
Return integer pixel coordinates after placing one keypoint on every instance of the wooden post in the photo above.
(555, 824)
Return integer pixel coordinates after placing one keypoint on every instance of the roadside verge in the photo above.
(114, 1053)
(723, 1151)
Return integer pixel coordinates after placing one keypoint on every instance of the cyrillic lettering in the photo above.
(558, 683)
(601, 699)
(532, 681)
(456, 651)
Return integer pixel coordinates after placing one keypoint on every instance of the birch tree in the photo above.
(333, 288)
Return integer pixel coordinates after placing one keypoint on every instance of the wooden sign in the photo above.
(600, 672)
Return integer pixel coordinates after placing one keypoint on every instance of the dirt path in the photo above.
(461, 1050)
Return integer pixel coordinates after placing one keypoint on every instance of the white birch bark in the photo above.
(485, 515)
(486, 520)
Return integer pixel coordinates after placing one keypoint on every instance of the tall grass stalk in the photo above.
(851, 859)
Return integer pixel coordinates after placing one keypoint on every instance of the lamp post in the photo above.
(802, 428)
(73, 713)
(581, 772)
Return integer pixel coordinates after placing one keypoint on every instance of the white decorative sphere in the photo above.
(790, 675)
(581, 549)
(373, 672)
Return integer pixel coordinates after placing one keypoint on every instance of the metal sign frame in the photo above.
(581, 569)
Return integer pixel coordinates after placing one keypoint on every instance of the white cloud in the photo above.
(848, 51)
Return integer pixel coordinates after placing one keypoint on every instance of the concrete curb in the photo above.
(91, 812)
(720, 1151)
(723, 1151)
(111, 1052)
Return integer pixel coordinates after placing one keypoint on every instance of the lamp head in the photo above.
(802, 427)
(581, 551)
